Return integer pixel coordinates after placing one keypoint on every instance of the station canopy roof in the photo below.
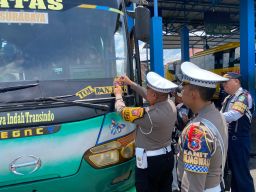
(210, 22)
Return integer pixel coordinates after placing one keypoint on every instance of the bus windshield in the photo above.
(81, 41)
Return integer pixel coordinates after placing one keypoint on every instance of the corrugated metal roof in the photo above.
(177, 13)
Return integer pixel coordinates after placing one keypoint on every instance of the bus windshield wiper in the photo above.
(59, 99)
(18, 87)
(79, 103)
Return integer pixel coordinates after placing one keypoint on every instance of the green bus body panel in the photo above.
(87, 179)
(61, 154)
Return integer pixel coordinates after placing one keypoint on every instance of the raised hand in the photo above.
(126, 80)
(118, 90)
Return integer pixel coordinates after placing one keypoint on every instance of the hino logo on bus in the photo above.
(21, 162)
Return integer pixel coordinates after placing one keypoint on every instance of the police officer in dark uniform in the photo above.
(237, 109)
(154, 158)
(204, 141)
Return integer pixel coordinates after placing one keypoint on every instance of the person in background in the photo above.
(183, 112)
(154, 157)
(204, 141)
(221, 98)
(237, 109)
(183, 116)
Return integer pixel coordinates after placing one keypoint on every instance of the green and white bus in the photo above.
(59, 131)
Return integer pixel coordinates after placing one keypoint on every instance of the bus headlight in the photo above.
(111, 153)
(106, 147)
(106, 158)
(128, 151)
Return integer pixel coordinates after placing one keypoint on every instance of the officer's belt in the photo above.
(157, 152)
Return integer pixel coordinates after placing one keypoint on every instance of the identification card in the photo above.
(141, 158)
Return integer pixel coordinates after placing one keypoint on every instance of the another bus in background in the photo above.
(220, 59)
(170, 70)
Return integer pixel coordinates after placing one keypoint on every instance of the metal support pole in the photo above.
(156, 43)
(155, 8)
(247, 52)
(184, 33)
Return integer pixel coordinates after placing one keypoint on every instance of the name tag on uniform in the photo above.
(141, 158)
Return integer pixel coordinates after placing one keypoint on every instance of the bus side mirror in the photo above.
(142, 24)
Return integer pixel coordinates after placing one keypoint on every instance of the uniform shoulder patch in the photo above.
(241, 98)
(132, 113)
(240, 104)
(197, 148)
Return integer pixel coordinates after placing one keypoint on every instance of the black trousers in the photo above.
(238, 161)
(158, 176)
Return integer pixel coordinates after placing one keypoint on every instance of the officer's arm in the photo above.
(237, 110)
(140, 90)
(197, 153)
(232, 115)
(137, 88)
(119, 104)
(138, 115)
(193, 182)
